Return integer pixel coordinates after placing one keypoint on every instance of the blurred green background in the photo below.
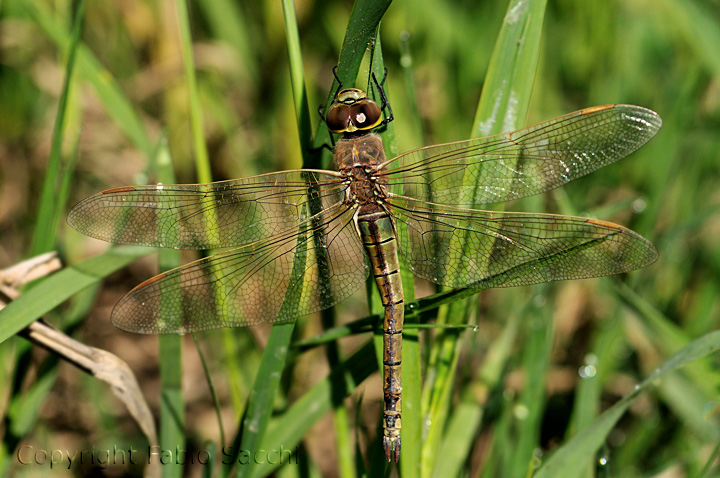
(602, 337)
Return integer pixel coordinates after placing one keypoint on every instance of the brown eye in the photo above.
(338, 118)
(365, 114)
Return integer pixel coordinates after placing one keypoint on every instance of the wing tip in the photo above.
(647, 253)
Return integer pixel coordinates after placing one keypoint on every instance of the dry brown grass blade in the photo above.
(99, 363)
(26, 271)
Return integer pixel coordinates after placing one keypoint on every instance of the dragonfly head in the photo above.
(352, 111)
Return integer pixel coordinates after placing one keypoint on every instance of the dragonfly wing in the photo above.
(269, 281)
(523, 163)
(472, 248)
(205, 216)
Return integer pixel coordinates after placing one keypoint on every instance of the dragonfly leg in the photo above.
(385, 103)
(324, 145)
(337, 78)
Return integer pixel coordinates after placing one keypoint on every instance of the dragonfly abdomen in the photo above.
(378, 236)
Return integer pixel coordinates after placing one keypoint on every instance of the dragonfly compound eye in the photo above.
(365, 114)
(338, 118)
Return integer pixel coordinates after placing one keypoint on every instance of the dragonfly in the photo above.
(302, 240)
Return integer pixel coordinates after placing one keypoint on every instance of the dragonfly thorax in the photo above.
(358, 159)
(364, 187)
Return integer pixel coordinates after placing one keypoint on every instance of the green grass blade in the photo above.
(508, 85)
(528, 410)
(297, 80)
(667, 336)
(289, 429)
(25, 405)
(50, 210)
(690, 405)
(202, 161)
(172, 403)
(261, 399)
(705, 473)
(564, 462)
(417, 131)
(602, 357)
(24, 409)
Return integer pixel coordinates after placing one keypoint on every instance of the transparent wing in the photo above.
(275, 280)
(523, 163)
(473, 248)
(205, 216)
